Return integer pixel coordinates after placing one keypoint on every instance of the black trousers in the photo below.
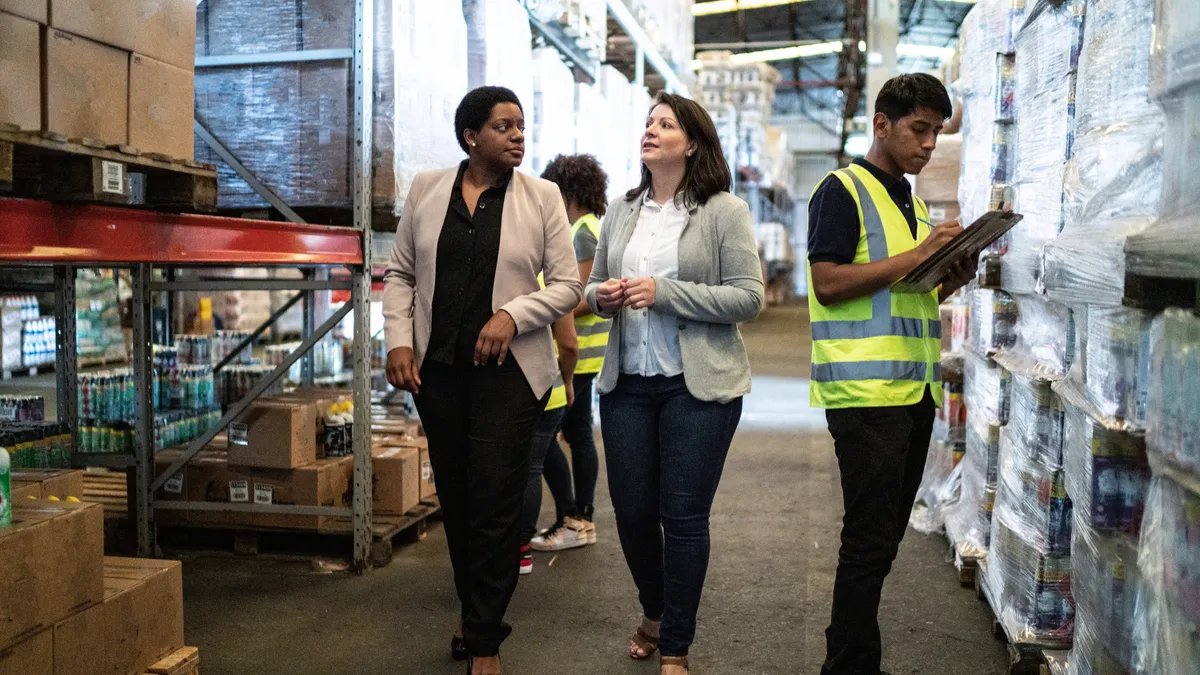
(881, 454)
(479, 421)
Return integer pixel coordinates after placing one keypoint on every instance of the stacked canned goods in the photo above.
(37, 445)
(234, 382)
(224, 341)
(22, 408)
(194, 349)
(107, 395)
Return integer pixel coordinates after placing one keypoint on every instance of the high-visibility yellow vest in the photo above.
(591, 330)
(883, 349)
(558, 393)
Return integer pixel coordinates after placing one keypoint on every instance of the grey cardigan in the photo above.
(720, 285)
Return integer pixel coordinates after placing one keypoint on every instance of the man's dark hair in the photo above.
(901, 96)
(581, 181)
(706, 172)
(476, 109)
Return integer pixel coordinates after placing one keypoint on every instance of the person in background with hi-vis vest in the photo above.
(876, 354)
(545, 434)
(584, 186)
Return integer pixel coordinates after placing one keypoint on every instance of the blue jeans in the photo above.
(574, 498)
(665, 451)
(544, 436)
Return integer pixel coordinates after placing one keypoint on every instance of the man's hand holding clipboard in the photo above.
(955, 260)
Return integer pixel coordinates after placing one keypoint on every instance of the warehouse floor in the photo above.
(774, 530)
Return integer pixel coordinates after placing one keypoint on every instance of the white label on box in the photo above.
(937, 214)
(239, 433)
(426, 471)
(264, 494)
(239, 491)
(112, 177)
(174, 484)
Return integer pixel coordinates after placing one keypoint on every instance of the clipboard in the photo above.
(969, 243)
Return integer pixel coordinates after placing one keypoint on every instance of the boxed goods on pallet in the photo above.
(941, 482)
(277, 434)
(97, 317)
(305, 109)
(1105, 586)
(1169, 565)
(1107, 473)
(46, 483)
(10, 338)
(1174, 418)
(20, 80)
(87, 88)
(428, 486)
(395, 479)
(1028, 576)
(991, 317)
(22, 408)
(1047, 56)
(1116, 364)
(51, 562)
(1114, 179)
(1044, 338)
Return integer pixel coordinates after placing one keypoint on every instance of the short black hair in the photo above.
(581, 181)
(901, 96)
(476, 109)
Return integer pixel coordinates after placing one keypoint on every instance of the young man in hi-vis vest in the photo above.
(876, 354)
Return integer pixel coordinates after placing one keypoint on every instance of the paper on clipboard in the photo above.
(968, 243)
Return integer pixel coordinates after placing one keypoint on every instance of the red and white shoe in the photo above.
(526, 560)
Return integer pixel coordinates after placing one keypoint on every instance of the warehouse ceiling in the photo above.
(826, 88)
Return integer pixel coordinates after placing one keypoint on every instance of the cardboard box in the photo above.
(428, 488)
(395, 479)
(166, 32)
(86, 88)
(112, 22)
(20, 71)
(326, 482)
(139, 622)
(161, 107)
(22, 492)
(274, 434)
(34, 10)
(51, 565)
(59, 483)
(32, 656)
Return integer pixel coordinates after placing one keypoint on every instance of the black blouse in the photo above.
(468, 249)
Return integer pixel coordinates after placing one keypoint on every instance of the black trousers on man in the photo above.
(881, 454)
(479, 420)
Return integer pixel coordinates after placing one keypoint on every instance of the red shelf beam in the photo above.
(34, 231)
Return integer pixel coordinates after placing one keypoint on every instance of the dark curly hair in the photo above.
(581, 181)
(476, 109)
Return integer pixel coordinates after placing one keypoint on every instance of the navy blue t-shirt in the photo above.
(833, 227)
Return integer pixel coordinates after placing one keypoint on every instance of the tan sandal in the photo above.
(676, 661)
(644, 641)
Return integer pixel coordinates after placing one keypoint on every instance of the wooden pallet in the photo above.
(968, 572)
(185, 661)
(48, 165)
(1025, 658)
(108, 488)
(1154, 294)
(389, 532)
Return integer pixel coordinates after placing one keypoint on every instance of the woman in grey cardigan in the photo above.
(677, 269)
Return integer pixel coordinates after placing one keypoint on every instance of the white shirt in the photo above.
(650, 339)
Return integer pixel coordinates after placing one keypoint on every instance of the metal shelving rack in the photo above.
(154, 247)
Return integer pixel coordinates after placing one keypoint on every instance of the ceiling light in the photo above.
(785, 53)
(726, 6)
(925, 51)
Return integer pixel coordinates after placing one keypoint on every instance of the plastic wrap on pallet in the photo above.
(499, 51)
(1114, 178)
(940, 482)
(1177, 45)
(290, 123)
(1047, 48)
(968, 519)
(551, 124)
(1173, 419)
(1170, 247)
(990, 319)
(1031, 491)
(1117, 366)
(1167, 616)
(986, 390)
(1107, 473)
(1044, 339)
(1105, 586)
(1029, 588)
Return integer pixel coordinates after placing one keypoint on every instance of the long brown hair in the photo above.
(706, 172)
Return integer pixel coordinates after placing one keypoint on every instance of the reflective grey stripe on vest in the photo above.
(872, 370)
(598, 328)
(593, 352)
(935, 329)
(881, 323)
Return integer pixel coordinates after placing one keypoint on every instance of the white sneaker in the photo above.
(570, 533)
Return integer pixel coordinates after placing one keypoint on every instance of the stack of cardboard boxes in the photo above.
(68, 610)
(275, 453)
(117, 71)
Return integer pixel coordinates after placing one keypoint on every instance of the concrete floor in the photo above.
(775, 533)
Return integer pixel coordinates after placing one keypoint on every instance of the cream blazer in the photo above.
(535, 237)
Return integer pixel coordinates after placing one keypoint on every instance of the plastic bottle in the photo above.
(5, 489)
(334, 432)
